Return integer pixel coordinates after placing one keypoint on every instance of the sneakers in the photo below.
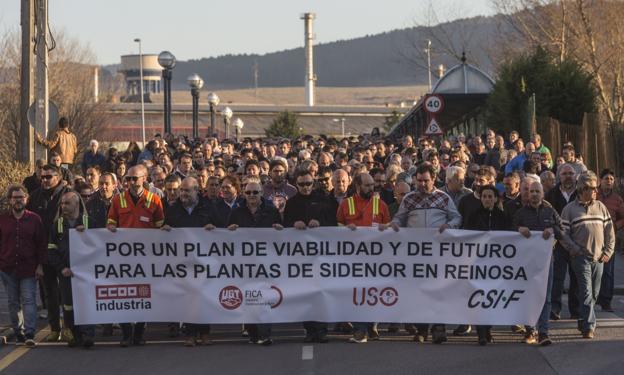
(20, 340)
(265, 341)
(204, 339)
(588, 334)
(53, 336)
(544, 340)
(373, 334)
(359, 338)
(530, 338)
(420, 338)
(462, 330)
(518, 329)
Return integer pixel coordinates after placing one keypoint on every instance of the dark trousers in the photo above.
(561, 266)
(315, 328)
(126, 329)
(607, 283)
(68, 310)
(196, 329)
(51, 286)
(258, 331)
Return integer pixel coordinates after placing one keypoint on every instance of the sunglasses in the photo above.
(48, 176)
(252, 192)
(132, 178)
(309, 183)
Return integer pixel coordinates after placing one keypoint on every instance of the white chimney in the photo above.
(309, 50)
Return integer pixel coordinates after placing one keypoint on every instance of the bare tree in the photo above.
(592, 32)
(71, 79)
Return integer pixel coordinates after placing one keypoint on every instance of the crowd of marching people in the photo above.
(483, 182)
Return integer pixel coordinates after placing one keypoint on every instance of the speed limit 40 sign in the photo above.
(434, 104)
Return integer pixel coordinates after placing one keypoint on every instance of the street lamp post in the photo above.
(168, 61)
(138, 40)
(227, 116)
(213, 100)
(342, 123)
(196, 83)
(238, 124)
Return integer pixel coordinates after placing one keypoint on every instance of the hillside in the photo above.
(369, 61)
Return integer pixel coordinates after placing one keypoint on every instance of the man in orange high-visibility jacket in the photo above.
(363, 209)
(135, 208)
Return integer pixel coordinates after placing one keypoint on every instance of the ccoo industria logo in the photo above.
(123, 297)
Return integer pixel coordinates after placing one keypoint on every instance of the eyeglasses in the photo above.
(48, 176)
(252, 192)
(132, 178)
(307, 183)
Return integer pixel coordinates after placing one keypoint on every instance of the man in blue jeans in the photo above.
(539, 215)
(590, 240)
(22, 253)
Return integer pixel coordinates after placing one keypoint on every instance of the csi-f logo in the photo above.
(493, 298)
(230, 297)
(123, 291)
(373, 296)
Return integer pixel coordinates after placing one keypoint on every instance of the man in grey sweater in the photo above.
(588, 226)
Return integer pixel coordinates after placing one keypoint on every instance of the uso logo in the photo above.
(230, 297)
(126, 291)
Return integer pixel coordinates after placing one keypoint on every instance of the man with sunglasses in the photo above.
(588, 228)
(22, 255)
(309, 209)
(256, 213)
(45, 202)
(135, 208)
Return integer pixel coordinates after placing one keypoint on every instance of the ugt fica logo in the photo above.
(231, 297)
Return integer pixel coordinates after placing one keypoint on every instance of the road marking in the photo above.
(19, 351)
(307, 353)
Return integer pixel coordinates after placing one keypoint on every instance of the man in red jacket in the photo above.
(22, 253)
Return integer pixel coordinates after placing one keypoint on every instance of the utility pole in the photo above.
(25, 149)
(42, 95)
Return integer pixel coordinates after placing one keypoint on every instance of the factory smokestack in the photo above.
(310, 78)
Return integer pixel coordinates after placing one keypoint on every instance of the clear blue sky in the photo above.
(205, 28)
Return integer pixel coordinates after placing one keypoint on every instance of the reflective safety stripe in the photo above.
(375, 205)
(59, 225)
(68, 307)
(122, 200)
(52, 246)
(148, 202)
(85, 221)
(351, 205)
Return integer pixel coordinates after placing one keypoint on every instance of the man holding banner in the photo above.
(364, 209)
(135, 208)
(427, 207)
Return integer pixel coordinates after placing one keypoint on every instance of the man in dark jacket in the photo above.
(256, 213)
(309, 209)
(58, 258)
(99, 203)
(191, 211)
(45, 202)
(539, 215)
(33, 182)
(559, 196)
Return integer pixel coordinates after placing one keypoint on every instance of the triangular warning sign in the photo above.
(433, 128)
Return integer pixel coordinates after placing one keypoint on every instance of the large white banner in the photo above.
(325, 274)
